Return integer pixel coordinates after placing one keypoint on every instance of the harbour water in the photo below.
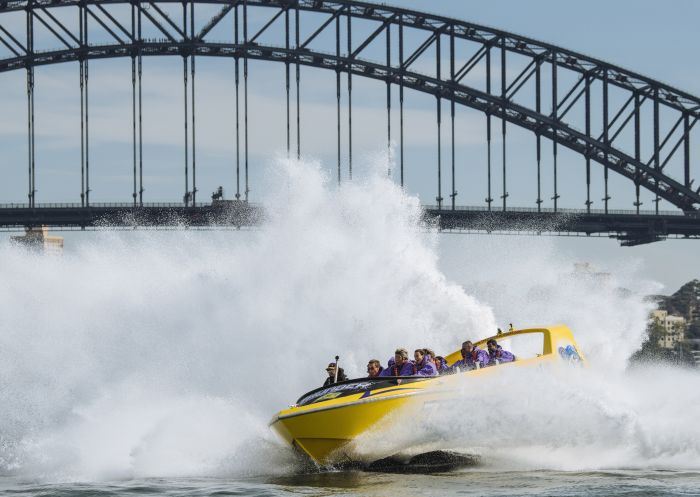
(151, 362)
(468, 483)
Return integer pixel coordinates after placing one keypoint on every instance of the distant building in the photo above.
(674, 328)
(38, 239)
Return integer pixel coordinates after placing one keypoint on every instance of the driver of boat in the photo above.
(496, 353)
(331, 375)
(472, 358)
(374, 368)
(424, 363)
(401, 367)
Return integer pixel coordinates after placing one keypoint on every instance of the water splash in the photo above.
(165, 354)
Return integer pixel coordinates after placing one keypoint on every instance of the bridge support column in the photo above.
(30, 137)
(134, 194)
(287, 77)
(139, 74)
(30, 115)
(238, 118)
(637, 148)
(298, 77)
(388, 99)
(133, 122)
(84, 109)
(587, 100)
(194, 129)
(401, 65)
(686, 149)
(337, 96)
(453, 195)
(504, 195)
(186, 196)
(657, 147)
(555, 105)
(606, 141)
(489, 198)
(538, 137)
(438, 56)
(245, 96)
(349, 17)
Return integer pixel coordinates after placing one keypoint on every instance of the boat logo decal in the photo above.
(370, 393)
(569, 354)
(335, 388)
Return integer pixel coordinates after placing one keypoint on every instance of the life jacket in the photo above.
(498, 354)
(474, 355)
(395, 370)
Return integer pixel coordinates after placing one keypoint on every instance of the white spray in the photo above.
(165, 354)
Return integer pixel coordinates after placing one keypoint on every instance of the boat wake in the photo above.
(163, 354)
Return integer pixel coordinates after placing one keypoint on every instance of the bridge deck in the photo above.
(627, 226)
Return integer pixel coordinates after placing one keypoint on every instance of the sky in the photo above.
(657, 39)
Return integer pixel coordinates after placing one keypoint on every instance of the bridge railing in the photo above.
(558, 210)
(429, 207)
(122, 205)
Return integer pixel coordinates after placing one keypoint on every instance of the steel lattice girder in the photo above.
(648, 174)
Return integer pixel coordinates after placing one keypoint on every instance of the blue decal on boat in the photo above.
(569, 353)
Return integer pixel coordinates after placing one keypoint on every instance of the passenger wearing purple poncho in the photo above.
(472, 357)
(401, 365)
(441, 365)
(424, 363)
(497, 355)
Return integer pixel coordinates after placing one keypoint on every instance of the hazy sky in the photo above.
(657, 39)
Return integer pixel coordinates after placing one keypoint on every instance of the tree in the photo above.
(651, 350)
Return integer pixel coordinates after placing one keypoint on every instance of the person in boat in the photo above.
(472, 358)
(424, 363)
(441, 365)
(374, 368)
(496, 353)
(331, 375)
(401, 366)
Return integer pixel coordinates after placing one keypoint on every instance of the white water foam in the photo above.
(165, 354)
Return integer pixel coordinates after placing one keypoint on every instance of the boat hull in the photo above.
(324, 433)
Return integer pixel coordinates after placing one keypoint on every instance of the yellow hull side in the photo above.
(323, 433)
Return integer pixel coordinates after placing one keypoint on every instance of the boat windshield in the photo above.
(350, 387)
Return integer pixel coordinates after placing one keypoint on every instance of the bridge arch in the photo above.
(557, 125)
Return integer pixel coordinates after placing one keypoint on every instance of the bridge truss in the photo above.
(628, 125)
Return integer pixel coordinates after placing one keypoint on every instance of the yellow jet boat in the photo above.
(324, 421)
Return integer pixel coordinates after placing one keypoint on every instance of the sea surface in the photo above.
(357, 483)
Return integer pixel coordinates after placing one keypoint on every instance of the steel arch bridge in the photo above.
(627, 124)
